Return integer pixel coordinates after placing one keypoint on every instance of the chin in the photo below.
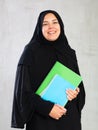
(52, 39)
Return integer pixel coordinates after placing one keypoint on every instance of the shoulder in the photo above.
(27, 55)
(72, 54)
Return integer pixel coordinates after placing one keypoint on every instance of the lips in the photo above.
(51, 32)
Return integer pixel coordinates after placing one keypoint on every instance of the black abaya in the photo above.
(36, 61)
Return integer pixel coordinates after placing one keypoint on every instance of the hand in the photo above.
(71, 94)
(57, 112)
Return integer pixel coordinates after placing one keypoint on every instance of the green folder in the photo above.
(64, 72)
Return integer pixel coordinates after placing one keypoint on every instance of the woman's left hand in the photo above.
(71, 94)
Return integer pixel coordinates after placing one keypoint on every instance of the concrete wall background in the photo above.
(17, 23)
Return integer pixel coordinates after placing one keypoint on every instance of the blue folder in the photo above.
(53, 88)
(56, 90)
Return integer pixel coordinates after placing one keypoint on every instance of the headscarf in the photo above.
(60, 43)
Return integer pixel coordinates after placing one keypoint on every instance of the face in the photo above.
(50, 27)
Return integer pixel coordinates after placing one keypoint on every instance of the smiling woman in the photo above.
(51, 27)
(48, 45)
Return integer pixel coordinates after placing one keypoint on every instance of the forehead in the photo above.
(49, 16)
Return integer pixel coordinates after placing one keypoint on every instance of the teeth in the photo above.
(51, 32)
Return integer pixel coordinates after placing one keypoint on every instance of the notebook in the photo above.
(53, 88)
(56, 90)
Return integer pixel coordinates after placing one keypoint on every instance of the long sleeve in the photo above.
(81, 95)
(25, 101)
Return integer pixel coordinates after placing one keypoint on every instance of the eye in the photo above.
(55, 22)
(45, 24)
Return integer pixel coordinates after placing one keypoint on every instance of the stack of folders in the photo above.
(59, 79)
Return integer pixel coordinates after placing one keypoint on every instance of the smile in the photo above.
(51, 32)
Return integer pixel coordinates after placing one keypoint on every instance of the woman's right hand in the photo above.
(57, 112)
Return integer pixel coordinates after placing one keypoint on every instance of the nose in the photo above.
(50, 25)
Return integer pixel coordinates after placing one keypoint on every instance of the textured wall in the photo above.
(17, 23)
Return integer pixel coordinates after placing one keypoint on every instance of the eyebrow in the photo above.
(52, 20)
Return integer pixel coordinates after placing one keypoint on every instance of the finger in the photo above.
(71, 93)
(69, 98)
(57, 118)
(61, 110)
(61, 107)
(78, 90)
(59, 115)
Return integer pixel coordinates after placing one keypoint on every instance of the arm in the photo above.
(78, 95)
(25, 101)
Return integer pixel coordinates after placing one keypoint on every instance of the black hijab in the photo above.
(61, 43)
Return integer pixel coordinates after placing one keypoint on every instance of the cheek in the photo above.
(59, 29)
(43, 30)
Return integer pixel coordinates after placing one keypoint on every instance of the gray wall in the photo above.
(17, 23)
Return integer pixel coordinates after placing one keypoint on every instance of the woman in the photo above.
(48, 45)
